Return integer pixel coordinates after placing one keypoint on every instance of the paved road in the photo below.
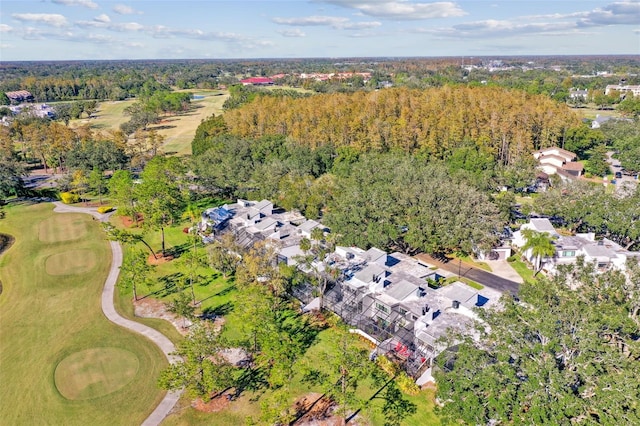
(485, 278)
(109, 310)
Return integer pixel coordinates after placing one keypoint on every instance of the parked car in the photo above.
(618, 175)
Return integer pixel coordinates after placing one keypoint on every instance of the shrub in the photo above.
(105, 209)
(512, 258)
(69, 197)
(386, 365)
(406, 384)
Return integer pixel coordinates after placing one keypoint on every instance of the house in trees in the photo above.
(559, 161)
(604, 254)
(392, 299)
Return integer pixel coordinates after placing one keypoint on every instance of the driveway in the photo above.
(483, 277)
(625, 185)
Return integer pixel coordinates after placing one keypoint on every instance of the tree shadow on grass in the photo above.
(179, 250)
(217, 311)
(170, 284)
(251, 379)
(222, 292)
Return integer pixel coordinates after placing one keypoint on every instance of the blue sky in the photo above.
(161, 29)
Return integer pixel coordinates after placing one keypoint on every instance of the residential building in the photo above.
(554, 160)
(605, 254)
(393, 299)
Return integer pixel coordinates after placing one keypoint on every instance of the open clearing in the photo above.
(178, 130)
(61, 361)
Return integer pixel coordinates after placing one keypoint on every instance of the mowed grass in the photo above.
(95, 372)
(53, 332)
(177, 130)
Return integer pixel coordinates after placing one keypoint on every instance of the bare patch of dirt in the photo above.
(316, 410)
(152, 308)
(129, 222)
(216, 404)
(159, 259)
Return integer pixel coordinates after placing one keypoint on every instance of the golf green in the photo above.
(95, 372)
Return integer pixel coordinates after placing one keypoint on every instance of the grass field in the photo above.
(178, 130)
(61, 361)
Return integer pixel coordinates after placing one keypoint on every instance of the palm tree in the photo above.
(541, 244)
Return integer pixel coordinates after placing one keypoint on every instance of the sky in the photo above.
(215, 29)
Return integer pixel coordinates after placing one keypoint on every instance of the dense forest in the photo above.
(507, 125)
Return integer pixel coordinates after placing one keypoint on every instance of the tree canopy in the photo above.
(566, 353)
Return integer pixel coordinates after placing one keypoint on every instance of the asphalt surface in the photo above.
(109, 310)
(480, 276)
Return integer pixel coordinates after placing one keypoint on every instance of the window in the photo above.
(402, 311)
(381, 307)
(569, 253)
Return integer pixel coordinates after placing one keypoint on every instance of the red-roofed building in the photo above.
(257, 81)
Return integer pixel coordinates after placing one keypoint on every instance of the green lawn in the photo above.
(61, 360)
(521, 268)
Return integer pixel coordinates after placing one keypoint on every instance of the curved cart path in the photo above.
(109, 310)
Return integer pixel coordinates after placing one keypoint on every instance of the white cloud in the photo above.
(401, 10)
(4, 28)
(111, 26)
(102, 18)
(360, 25)
(503, 28)
(312, 21)
(295, 32)
(127, 26)
(53, 19)
(6, 46)
(329, 21)
(619, 13)
(84, 3)
(122, 9)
